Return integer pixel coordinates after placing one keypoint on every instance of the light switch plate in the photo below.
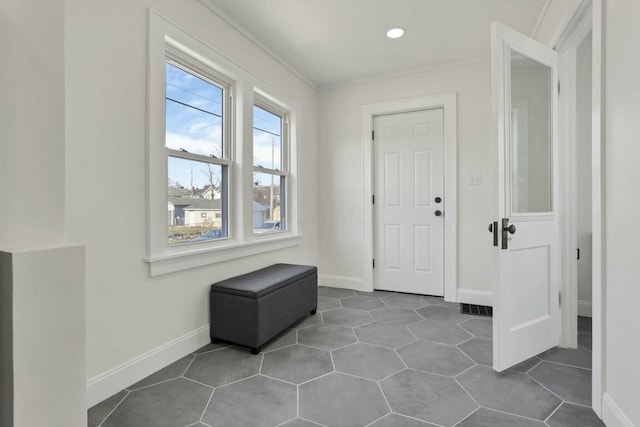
(475, 179)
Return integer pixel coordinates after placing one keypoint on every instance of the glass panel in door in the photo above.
(530, 147)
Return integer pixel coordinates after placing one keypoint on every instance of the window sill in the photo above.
(165, 264)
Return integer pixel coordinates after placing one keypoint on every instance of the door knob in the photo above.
(438, 213)
(506, 228)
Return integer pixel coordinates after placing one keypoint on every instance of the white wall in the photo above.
(129, 314)
(583, 165)
(622, 127)
(32, 145)
(341, 167)
(42, 339)
(47, 310)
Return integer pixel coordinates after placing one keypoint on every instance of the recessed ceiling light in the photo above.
(395, 33)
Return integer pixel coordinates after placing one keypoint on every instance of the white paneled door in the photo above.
(409, 208)
(526, 312)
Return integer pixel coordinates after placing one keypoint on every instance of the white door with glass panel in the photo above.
(408, 202)
(526, 236)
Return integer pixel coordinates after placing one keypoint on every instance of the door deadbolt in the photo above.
(438, 199)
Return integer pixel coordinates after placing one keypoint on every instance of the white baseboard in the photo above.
(111, 382)
(470, 296)
(584, 308)
(612, 415)
(342, 282)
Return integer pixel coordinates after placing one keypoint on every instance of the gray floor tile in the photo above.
(178, 402)
(395, 315)
(428, 397)
(571, 384)
(297, 364)
(362, 302)
(342, 401)
(584, 324)
(508, 391)
(377, 294)
(309, 321)
(579, 357)
(440, 359)
(443, 314)
(440, 302)
(479, 349)
(569, 415)
(99, 412)
(221, 367)
(442, 332)
(326, 337)
(384, 334)
(585, 340)
(172, 371)
(367, 361)
(484, 417)
(405, 301)
(285, 339)
(254, 402)
(335, 292)
(299, 422)
(347, 317)
(397, 420)
(479, 328)
(527, 365)
(326, 303)
(212, 347)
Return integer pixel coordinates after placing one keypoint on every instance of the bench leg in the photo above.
(255, 350)
(315, 309)
(214, 340)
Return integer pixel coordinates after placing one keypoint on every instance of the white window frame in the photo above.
(167, 40)
(190, 65)
(275, 109)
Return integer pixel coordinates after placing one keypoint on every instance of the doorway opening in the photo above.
(581, 99)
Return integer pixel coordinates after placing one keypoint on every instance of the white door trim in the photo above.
(447, 102)
(589, 14)
(598, 213)
(567, 47)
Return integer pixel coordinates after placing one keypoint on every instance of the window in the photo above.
(197, 165)
(269, 169)
(203, 170)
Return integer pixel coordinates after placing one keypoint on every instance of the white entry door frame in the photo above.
(448, 103)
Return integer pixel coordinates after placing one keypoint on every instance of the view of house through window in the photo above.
(269, 171)
(197, 168)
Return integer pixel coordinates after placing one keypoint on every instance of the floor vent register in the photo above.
(476, 310)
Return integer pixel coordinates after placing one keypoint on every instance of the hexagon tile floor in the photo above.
(366, 359)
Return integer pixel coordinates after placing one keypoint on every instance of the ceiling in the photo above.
(334, 42)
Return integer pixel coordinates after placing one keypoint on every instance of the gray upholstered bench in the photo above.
(253, 308)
